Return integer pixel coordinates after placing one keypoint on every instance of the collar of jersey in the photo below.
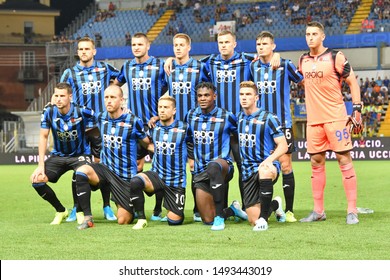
(94, 64)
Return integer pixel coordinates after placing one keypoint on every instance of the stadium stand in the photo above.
(335, 14)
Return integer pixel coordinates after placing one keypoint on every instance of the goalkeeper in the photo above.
(328, 126)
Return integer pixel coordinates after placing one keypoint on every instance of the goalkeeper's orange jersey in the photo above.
(323, 75)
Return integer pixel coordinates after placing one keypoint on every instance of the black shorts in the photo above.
(202, 180)
(190, 150)
(56, 166)
(252, 190)
(141, 151)
(288, 133)
(95, 142)
(119, 188)
(174, 198)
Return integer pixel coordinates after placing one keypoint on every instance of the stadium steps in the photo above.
(361, 13)
(384, 129)
(160, 24)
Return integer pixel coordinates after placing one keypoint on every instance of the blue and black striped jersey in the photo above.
(182, 82)
(145, 83)
(68, 130)
(274, 88)
(119, 143)
(210, 134)
(170, 152)
(256, 133)
(226, 75)
(88, 83)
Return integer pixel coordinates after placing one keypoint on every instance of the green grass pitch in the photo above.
(27, 235)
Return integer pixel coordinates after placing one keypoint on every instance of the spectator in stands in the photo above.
(128, 39)
(379, 81)
(268, 21)
(98, 39)
(386, 82)
(295, 7)
(111, 7)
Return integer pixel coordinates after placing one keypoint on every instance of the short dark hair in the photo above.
(141, 35)
(316, 24)
(265, 34)
(207, 85)
(66, 86)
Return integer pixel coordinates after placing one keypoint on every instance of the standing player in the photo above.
(274, 96)
(226, 70)
(120, 132)
(186, 73)
(145, 80)
(261, 142)
(68, 123)
(168, 172)
(211, 128)
(89, 79)
(323, 70)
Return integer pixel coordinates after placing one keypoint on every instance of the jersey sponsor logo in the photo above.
(314, 77)
(141, 83)
(151, 67)
(123, 124)
(190, 70)
(164, 148)
(112, 141)
(226, 76)
(237, 61)
(203, 137)
(266, 87)
(214, 119)
(177, 130)
(181, 88)
(247, 140)
(91, 87)
(97, 69)
(67, 136)
(77, 120)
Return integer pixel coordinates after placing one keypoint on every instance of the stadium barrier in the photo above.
(373, 149)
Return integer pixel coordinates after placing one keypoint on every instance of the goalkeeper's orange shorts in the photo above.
(332, 136)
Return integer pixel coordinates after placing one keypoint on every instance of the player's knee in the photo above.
(175, 222)
(267, 173)
(213, 168)
(38, 185)
(286, 167)
(137, 184)
(81, 177)
(125, 219)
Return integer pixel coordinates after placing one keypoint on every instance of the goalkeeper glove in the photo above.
(355, 120)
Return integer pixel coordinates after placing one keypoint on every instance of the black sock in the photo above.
(227, 212)
(289, 190)
(137, 198)
(193, 189)
(266, 193)
(158, 206)
(217, 186)
(74, 193)
(83, 193)
(106, 194)
(49, 195)
(273, 206)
